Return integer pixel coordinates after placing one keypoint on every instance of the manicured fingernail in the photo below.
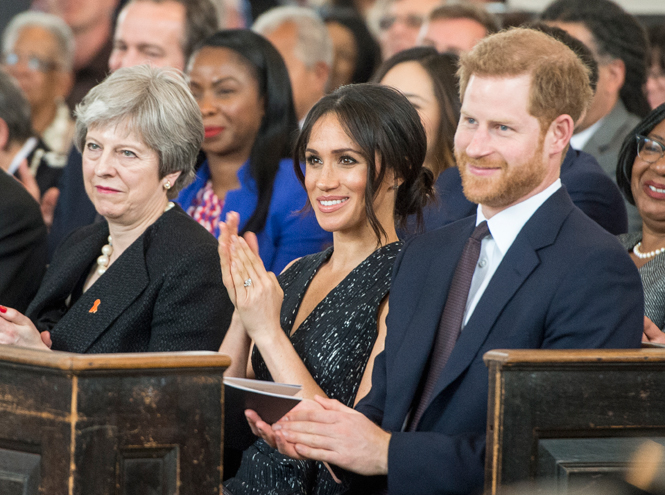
(3, 309)
(276, 427)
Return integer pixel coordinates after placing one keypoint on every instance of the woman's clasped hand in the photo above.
(18, 329)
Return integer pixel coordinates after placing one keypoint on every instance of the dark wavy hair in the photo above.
(442, 69)
(628, 152)
(279, 125)
(368, 50)
(617, 34)
(382, 122)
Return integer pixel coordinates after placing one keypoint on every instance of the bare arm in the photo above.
(236, 344)
(366, 382)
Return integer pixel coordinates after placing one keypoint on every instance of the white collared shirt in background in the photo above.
(579, 140)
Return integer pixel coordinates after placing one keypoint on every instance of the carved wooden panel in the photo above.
(571, 419)
(134, 424)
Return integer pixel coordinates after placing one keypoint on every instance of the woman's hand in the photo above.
(17, 329)
(227, 231)
(258, 295)
(652, 333)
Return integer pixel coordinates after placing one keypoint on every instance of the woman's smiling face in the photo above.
(336, 179)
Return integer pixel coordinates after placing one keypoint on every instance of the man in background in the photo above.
(302, 39)
(457, 27)
(619, 44)
(399, 22)
(92, 24)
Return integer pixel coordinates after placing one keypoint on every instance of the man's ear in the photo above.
(65, 82)
(561, 130)
(322, 74)
(616, 72)
(4, 135)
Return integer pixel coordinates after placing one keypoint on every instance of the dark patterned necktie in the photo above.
(450, 325)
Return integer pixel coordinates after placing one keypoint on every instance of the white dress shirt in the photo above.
(504, 228)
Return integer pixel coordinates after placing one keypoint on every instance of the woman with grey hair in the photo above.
(148, 277)
(38, 51)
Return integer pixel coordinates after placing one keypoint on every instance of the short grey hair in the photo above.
(313, 45)
(154, 103)
(14, 110)
(58, 28)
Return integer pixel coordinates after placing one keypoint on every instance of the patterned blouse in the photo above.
(207, 208)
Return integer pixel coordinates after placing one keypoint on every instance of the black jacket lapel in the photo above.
(105, 301)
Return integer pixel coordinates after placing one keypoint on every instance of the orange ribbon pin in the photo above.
(94, 306)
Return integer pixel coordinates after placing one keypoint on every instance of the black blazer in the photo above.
(164, 293)
(22, 244)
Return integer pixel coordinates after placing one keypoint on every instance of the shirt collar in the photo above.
(26, 149)
(507, 224)
(579, 140)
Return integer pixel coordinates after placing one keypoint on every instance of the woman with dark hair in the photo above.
(357, 54)
(428, 79)
(641, 178)
(322, 322)
(242, 87)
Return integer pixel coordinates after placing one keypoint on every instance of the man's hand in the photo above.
(262, 429)
(338, 435)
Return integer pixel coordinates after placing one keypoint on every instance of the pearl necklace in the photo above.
(650, 254)
(107, 249)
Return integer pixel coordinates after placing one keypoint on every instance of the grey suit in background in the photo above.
(605, 145)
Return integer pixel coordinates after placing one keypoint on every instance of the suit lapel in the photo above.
(64, 274)
(413, 355)
(517, 265)
(105, 301)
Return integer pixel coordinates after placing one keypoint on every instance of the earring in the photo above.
(395, 186)
(167, 185)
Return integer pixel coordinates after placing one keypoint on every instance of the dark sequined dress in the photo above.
(334, 342)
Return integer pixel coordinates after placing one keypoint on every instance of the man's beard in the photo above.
(507, 185)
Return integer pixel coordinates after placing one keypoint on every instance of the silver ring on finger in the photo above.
(248, 282)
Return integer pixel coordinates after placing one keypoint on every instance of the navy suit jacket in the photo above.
(564, 283)
(589, 187)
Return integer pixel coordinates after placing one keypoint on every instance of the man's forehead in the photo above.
(506, 93)
(422, 7)
(152, 14)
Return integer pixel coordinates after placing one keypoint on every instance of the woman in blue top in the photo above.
(242, 87)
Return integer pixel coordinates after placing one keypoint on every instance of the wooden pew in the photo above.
(569, 420)
(75, 424)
